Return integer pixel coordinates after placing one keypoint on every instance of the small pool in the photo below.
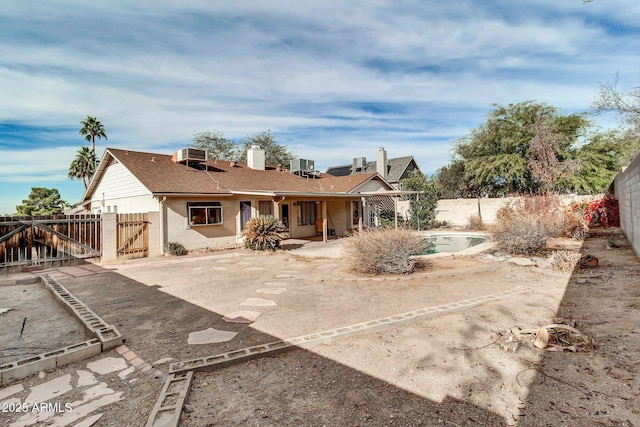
(450, 243)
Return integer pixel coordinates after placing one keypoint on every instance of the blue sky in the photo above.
(333, 80)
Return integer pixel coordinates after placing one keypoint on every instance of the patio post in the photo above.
(324, 221)
(395, 210)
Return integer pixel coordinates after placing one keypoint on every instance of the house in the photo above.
(396, 170)
(206, 203)
(392, 170)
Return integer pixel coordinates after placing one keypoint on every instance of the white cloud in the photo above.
(156, 71)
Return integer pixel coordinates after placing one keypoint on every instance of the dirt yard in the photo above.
(447, 369)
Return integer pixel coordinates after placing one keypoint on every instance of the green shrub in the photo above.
(264, 233)
(524, 226)
(176, 249)
(383, 251)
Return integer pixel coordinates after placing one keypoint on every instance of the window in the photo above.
(204, 213)
(265, 208)
(306, 213)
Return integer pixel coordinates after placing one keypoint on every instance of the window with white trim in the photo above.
(204, 213)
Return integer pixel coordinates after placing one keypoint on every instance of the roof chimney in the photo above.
(381, 162)
(256, 158)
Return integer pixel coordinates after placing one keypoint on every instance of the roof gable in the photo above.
(397, 168)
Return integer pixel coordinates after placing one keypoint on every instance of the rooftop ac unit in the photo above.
(192, 155)
(359, 163)
(301, 166)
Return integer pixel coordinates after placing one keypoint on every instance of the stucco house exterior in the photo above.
(206, 203)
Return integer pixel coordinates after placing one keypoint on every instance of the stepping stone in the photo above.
(271, 291)
(258, 302)
(99, 390)
(276, 284)
(124, 374)
(210, 336)
(85, 378)
(82, 411)
(10, 391)
(50, 389)
(243, 316)
(107, 365)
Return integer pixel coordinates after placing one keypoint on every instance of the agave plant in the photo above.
(264, 233)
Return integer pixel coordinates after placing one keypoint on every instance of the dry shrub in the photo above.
(475, 223)
(264, 233)
(383, 251)
(564, 260)
(524, 226)
(575, 225)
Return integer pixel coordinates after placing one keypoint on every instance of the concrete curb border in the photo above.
(108, 335)
(305, 341)
(105, 337)
(166, 412)
(53, 359)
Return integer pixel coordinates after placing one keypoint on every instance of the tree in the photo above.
(626, 104)
(497, 155)
(423, 204)
(42, 201)
(545, 151)
(83, 166)
(92, 129)
(599, 160)
(451, 184)
(275, 154)
(216, 145)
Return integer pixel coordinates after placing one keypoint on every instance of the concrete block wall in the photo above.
(627, 191)
(456, 212)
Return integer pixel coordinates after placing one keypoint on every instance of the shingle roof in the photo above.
(395, 168)
(161, 175)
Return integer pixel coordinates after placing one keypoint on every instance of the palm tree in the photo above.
(83, 166)
(92, 129)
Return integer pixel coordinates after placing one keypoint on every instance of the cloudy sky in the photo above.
(332, 80)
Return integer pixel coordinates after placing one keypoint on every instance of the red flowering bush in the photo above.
(604, 212)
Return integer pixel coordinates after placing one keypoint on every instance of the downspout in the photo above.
(163, 222)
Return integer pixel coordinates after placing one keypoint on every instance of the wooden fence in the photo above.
(50, 239)
(133, 235)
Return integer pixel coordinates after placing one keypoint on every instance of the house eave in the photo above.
(294, 194)
(169, 194)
